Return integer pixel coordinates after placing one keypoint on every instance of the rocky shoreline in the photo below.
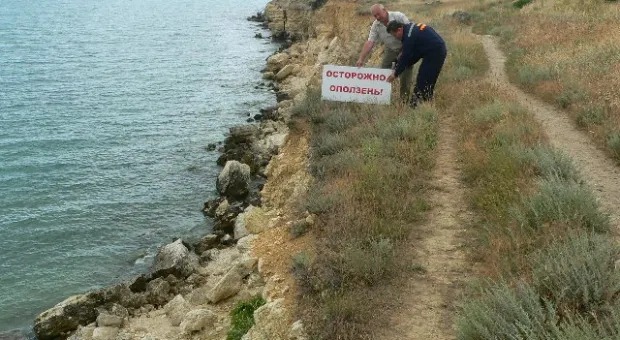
(191, 288)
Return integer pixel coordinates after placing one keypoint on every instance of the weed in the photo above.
(242, 317)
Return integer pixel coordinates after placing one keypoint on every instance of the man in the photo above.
(392, 46)
(419, 42)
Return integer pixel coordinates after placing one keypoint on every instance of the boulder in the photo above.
(176, 309)
(230, 284)
(112, 315)
(240, 229)
(158, 292)
(66, 316)
(234, 180)
(197, 320)
(268, 322)
(105, 333)
(277, 61)
(285, 72)
(173, 258)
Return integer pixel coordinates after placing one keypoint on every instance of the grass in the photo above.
(563, 52)
(549, 265)
(242, 317)
(371, 166)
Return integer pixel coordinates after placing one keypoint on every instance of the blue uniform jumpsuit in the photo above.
(422, 42)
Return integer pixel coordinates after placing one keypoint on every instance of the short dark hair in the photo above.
(394, 25)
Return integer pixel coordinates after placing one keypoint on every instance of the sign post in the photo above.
(355, 84)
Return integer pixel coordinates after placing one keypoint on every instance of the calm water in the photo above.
(105, 111)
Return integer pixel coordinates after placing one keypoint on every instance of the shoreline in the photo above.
(255, 119)
(192, 288)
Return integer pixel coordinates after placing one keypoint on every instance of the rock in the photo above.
(240, 229)
(113, 315)
(83, 332)
(281, 95)
(285, 72)
(197, 320)
(158, 292)
(174, 259)
(211, 146)
(269, 113)
(258, 17)
(199, 296)
(258, 35)
(268, 322)
(230, 284)
(225, 217)
(245, 243)
(176, 310)
(105, 333)
(277, 61)
(234, 180)
(297, 331)
(268, 75)
(66, 316)
(209, 241)
(211, 205)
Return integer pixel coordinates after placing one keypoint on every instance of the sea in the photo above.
(106, 110)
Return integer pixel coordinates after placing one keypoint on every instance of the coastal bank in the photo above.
(191, 289)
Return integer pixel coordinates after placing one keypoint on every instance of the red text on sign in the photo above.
(356, 89)
(356, 75)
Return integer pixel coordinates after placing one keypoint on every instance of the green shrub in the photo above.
(563, 202)
(335, 165)
(521, 3)
(591, 115)
(530, 75)
(549, 163)
(570, 95)
(299, 228)
(329, 144)
(488, 114)
(613, 143)
(502, 312)
(371, 261)
(579, 276)
(242, 317)
(311, 108)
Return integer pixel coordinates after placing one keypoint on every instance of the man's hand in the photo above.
(359, 63)
(390, 78)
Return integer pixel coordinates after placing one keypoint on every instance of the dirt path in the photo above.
(595, 167)
(427, 310)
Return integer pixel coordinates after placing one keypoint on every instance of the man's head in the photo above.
(379, 12)
(395, 28)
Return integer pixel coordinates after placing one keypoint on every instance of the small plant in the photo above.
(591, 115)
(613, 143)
(299, 228)
(562, 202)
(488, 114)
(329, 144)
(242, 317)
(579, 276)
(531, 75)
(549, 163)
(521, 3)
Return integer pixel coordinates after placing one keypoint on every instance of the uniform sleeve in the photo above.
(374, 34)
(400, 17)
(406, 57)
